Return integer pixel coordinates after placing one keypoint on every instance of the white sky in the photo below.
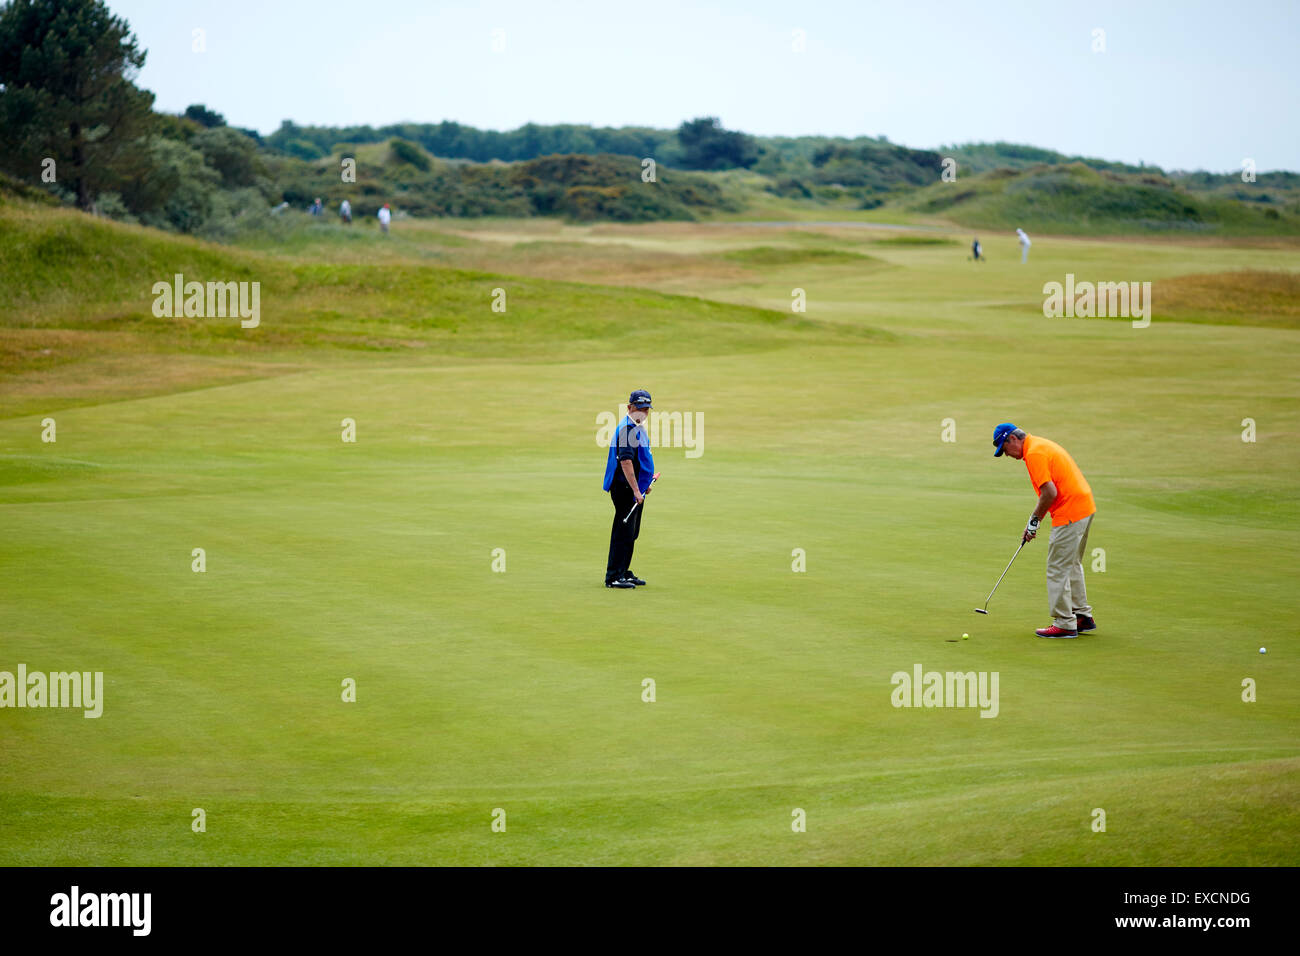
(1183, 85)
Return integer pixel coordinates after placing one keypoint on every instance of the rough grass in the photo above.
(1245, 297)
(767, 256)
(909, 240)
(78, 295)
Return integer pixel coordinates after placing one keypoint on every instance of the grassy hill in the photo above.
(451, 170)
(986, 157)
(578, 187)
(1073, 199)
(223, 185)
(76, 290)
(1079, 200)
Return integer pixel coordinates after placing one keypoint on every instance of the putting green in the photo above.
(523, 690)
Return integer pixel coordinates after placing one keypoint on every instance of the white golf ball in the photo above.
(1261, 650)
(965, 637)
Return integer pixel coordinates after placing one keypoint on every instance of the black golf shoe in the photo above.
(634, 579)
(1085, 623)
(623, 583)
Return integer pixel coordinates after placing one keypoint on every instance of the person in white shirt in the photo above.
(345, 212)
(385, 217)
(1024, 245)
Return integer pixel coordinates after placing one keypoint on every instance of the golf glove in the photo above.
(1031, 528)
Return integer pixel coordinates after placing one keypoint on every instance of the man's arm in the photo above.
(1046, 495)
(630, 474)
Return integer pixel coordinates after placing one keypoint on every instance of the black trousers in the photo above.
(622, 537)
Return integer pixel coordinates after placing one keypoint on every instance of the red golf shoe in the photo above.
(1055, 631)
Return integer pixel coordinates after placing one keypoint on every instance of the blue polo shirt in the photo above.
(630, 443)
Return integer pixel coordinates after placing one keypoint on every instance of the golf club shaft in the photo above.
(635, 503)
(1004, 572)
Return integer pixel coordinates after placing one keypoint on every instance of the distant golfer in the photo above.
(385, 217)
(1063, 491)
(976, 249)
(345, 212)
(628, 472)
(1024, 245)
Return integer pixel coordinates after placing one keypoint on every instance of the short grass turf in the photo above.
(478, 690)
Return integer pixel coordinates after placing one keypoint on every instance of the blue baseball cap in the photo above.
(1000, 435)
(640, 398)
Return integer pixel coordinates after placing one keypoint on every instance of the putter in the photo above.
(985, 608)
(653, 479)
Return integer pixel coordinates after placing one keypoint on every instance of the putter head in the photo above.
(980, 610)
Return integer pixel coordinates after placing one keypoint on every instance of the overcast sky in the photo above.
(1183, 85)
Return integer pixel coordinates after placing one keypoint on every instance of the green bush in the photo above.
(232, 154)
(410, 154)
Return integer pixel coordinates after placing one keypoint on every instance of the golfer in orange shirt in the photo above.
(1063, 491)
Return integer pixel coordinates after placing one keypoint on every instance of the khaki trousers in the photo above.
(1065, 591)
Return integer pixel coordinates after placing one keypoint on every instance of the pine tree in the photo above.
(66, 93)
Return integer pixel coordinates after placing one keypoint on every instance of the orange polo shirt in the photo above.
(1048, 461)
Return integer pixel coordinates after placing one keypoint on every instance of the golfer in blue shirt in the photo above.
(628, 473)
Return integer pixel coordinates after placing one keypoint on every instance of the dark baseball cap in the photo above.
(640, 398)
(1000, 435)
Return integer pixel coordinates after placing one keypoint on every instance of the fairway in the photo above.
(479, 689)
